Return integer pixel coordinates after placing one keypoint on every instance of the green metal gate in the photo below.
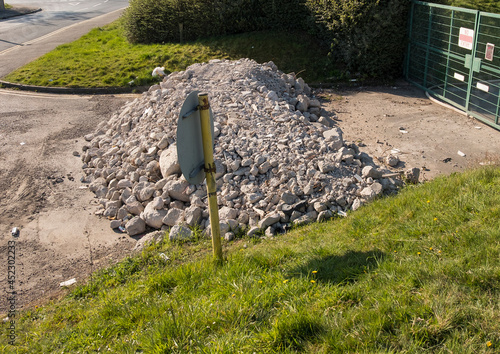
(454, 54)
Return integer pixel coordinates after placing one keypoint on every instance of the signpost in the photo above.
(195, 141)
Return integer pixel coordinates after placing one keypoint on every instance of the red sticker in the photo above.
(490, 48)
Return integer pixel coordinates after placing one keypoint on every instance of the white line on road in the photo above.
(97, 5)
(61, 96)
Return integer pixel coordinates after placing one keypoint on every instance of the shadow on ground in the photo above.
(340, 269)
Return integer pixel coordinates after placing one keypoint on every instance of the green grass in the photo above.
(418, 272)
(104, 58)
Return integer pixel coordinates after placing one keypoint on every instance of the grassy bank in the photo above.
(103, 58)
(411, 273)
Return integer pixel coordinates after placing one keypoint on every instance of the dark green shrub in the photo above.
(157, 21)
(368, 36)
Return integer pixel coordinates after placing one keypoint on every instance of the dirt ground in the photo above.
(402, 120)
(61, 239)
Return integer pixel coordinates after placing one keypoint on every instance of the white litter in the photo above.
(403, 131)
(159, 71)
(461, 153)
(68, 282)
(164, 256)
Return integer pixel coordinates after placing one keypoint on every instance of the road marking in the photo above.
(41, 95)
(96, 5)
(55, 32)
(62, 96)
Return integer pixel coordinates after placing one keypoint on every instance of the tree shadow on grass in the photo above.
(340, 269)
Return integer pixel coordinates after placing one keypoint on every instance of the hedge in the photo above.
(366, 36)
(158, 21)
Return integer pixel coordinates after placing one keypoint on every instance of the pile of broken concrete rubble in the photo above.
(279, 157)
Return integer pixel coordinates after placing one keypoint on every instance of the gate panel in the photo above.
(484, 100)
(454, 54)
(436, 62)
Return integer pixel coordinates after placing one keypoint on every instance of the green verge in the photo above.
(104, 58)
(411, 273)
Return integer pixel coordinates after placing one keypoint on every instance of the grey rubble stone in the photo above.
(223, 228)
(370, 171)
(412, 175)
(226, 213)
(152, 216)
(324, 215)
(115, 224)
(269, 220)
(143, 191)
(243, 218)
(135, 226)
(295, 215)
(325, 166)
(193, 215)
(253, 231)
(160, 184)
(229, 236)
(254, 197)
(319, 207)
(134, 206)
(314, 103)
(368, 193)
(173, 217)
(272, 95)
(169, 164)
(356, 204)
(110, 212)
(177, 189)
(392, 160)
(288, 198)
(233, 225)
(124, 183)
(152, 237)
(270, 231)
(304, 220)
(122, 213)
(157, 203)
(334, 137)
(180, 233)
(287, 209)
(377, 188)
(114, 204)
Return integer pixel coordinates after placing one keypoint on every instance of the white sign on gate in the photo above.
(466, 38)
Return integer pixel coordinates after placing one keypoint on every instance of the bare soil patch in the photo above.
(61, 238)
(401, 117)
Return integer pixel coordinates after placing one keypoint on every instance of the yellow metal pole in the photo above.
(208, 152)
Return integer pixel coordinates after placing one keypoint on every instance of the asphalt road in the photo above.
(55, 14)
(49, 29)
